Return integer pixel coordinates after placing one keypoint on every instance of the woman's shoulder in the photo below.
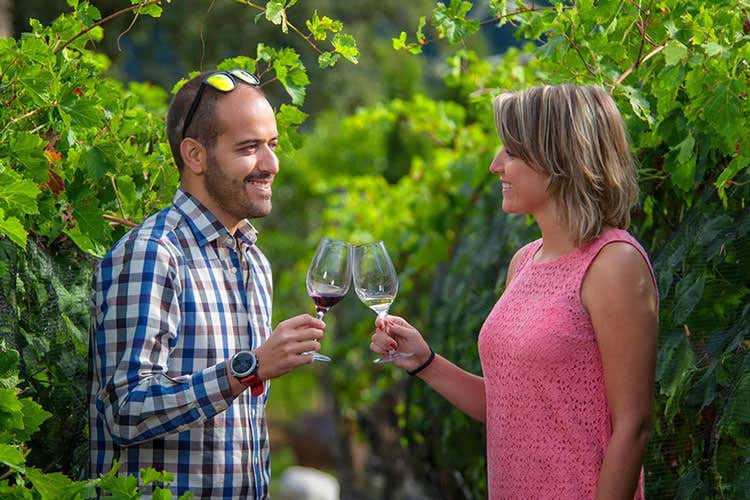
(619, 260)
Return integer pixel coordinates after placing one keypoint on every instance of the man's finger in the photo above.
(303, 320)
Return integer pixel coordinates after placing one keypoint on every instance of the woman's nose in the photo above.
(496, 167)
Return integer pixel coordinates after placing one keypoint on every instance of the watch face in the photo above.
(243, 363)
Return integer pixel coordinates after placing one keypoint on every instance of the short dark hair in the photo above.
(204, 127)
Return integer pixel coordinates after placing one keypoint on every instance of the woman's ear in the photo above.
(193, 155)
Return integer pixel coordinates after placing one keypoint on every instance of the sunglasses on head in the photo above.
(223, 81)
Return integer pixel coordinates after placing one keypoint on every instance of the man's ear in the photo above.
(193, 155)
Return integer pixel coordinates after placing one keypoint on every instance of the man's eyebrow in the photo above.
(247, 142)
(252, 142)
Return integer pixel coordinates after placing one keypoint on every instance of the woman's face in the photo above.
(524, 189)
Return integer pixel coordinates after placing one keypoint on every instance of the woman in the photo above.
(568, 351)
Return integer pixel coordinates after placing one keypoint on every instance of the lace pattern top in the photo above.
(548, 421)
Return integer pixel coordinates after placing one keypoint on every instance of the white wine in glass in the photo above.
(328, 279)
(376, 284)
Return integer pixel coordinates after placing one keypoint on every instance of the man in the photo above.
(182, 347)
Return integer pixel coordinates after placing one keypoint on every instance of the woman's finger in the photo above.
(383, 341)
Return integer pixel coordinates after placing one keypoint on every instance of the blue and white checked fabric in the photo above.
(170, 307)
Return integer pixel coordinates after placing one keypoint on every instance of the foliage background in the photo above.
(396, 148)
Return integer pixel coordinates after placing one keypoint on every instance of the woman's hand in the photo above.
(396, 334)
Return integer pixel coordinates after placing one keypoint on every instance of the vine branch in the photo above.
(26, 115)
(513, 14)
(119, 220)
(105, 20)
(635, 65)
(294, 28)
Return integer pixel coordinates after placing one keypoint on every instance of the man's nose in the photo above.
(269, 162)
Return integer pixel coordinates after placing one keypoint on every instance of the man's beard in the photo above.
(231, 194)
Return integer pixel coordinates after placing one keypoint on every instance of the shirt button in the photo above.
(234, 270)
(229, 242)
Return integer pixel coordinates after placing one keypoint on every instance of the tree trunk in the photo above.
(6, 19)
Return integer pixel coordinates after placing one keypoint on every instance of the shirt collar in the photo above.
(205, 225)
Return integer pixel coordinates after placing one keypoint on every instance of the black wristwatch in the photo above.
(244, 366)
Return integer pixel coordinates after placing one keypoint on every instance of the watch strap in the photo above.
(255, 384)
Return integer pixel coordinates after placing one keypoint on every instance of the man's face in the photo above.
(242, 164)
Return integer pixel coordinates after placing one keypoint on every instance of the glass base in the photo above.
(392, 356)
(317, 356)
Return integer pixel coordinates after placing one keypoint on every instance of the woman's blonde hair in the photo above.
(575, 135)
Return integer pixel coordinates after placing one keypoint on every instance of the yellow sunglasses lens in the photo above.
(221, 82)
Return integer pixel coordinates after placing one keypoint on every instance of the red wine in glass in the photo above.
(324, 302)
(328, 279)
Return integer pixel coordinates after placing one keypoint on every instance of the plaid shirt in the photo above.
(173, 301)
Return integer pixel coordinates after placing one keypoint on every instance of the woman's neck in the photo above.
(556, 239)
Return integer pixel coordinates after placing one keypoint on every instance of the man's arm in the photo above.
(137, 320)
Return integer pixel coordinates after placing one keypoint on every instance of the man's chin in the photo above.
(258, 212)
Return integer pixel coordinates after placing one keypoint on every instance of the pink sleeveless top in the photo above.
(548, 422)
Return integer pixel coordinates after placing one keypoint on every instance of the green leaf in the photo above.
(122, 486)
(153, 10)
(451, 22)
(674, 52)
(12, 457)
(290, 116)
(18, 194)
(33, 417)
(275, 13)
(320, 26)
(161, 494)
(420, 30)
(83, 111)
(400, 44)
(11, 418)
(90, 218)
(53, 486)
(242, 62)
(712, 49)
(680, 163)
(28, 150)
(291, 73)
(13, 229)
(8, 364)
(674, 370)
(638, 102)
(328, 59)
(151, 475)
(688, 294)
(738, 163)
(288, 119)
(346, 45)
(95, 163)
(128, 196)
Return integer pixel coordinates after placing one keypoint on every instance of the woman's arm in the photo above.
(619, 294)
(463, 389)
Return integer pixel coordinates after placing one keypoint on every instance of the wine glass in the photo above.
(328, 279)
(376, 284)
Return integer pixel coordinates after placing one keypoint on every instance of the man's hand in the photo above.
(282, 352)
